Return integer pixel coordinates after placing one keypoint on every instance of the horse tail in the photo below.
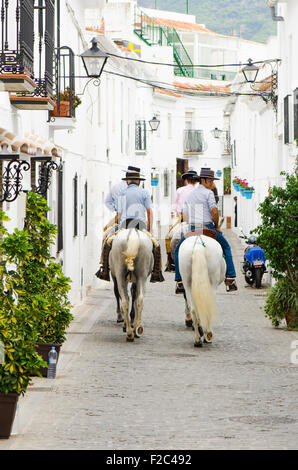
(132, 249)
(201, 291)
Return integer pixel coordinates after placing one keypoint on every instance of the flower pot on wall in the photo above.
(64, 110)
(248, 194)
(236, 186)
(43, 350)
(8, 406)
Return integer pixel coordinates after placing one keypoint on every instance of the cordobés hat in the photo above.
(133, 175)
(207, 173)
(191, 173)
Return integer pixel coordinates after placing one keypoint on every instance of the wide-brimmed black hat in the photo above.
(190, 174)
(207, 173)
(133, 175)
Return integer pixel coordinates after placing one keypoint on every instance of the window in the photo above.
(296, 113)
(166, 183)
(60, 209)
(286, 120)
(75, 206)
(140, 135)
(86, 208)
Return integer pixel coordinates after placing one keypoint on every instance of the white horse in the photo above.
(131, 260)
(202, 267)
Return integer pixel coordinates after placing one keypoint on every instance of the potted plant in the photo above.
(17, 330)
(249, 190)
(44, 281)
(236, 183)
(65, 103)
(282, 303)
(277, 235)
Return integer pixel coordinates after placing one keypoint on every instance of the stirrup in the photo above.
(179, 288)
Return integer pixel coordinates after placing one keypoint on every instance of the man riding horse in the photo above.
(201, 212)
(133, 207)
(190, 180)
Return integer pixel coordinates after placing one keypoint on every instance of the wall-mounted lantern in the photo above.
(94, 60)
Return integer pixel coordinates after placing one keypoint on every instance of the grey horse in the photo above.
(131, 261)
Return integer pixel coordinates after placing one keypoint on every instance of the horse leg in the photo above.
(133, 298)
(188, 319)
(139, 304)
(197, 328)
(125, 307)
(117, 295)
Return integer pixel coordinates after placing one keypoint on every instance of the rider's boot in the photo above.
(230, 283)
(156, 275)
(104, 272)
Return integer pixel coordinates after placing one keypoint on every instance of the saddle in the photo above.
(208, 232)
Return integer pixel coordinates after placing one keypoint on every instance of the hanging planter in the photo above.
(248, 194)
(154, 181)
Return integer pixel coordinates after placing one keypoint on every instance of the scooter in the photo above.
(254, 264)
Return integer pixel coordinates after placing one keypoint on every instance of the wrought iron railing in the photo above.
(150, 32)
(24, 49)
(140, 135)
(17, 36)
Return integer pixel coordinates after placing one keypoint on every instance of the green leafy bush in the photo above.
(45, 286)
(282, 302)
(17, 327)
(278, 236)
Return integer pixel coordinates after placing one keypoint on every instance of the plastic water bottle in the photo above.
(52, 363)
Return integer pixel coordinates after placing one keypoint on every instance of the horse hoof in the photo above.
(188, 323)
(208, 337)
(139, 331)
(198, 344)
(124, 328)
(120, 319)
(130, 338)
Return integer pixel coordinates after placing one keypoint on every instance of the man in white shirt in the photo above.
(200, 210)
(190, 180)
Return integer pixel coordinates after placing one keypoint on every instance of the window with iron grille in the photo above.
(60, 209)
(166, 183)
(286, 120)
(296, 113)
(75, 206)
(140, 135)
(86, 207)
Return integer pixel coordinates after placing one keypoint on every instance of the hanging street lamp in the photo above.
(94, 60)
(154, 124)
(250, 72)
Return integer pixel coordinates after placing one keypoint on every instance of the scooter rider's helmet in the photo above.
(252, 240)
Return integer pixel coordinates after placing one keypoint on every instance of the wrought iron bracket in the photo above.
(12, 177)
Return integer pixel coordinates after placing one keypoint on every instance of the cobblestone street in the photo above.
(160, 392)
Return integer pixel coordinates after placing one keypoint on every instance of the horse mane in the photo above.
(132, 249)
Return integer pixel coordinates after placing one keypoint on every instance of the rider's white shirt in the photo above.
(199, 204)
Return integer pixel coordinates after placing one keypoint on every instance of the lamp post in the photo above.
(94, 60)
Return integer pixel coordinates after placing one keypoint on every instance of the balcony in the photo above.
(193, 142)
(26, 65)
